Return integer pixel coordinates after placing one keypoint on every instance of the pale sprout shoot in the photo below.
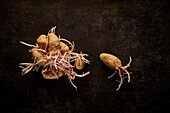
(57, 60)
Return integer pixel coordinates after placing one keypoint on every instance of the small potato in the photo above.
(49, 75)
(42, 41)
(66, 48)
(79, 65)
(37, 54)
(110, 60)
(54, 43)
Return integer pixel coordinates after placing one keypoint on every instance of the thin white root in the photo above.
(73, 85)
(112, 75)
(52, 30)
(27, 44)
(121, 82)
(128, 65)
(25, 64)
(27, 69)
(128, 75)
(130, 60)
(87, 73)
(21, 66)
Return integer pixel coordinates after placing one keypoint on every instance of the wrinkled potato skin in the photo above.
(42, 41)
(65, 49)
(109, 60)
(37, 54)
(54, 43)
(78, 66)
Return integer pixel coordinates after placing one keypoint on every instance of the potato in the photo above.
(54, 43)
(42, 41)
(110, 60)
(39, 56)
(66, 48)
(115, 63)
(78, 65)
(51, 75)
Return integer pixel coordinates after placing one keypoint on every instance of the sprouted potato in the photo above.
(55, 57)
(115, 63)
(79, 64)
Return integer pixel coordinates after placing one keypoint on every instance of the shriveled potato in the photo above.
(66, 48)
(79, 65)
(42, 41)
(54, 43)
(110, 60)
(39, 56)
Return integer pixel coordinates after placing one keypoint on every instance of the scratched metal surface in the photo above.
(132, 28)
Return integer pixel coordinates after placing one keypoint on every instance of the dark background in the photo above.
(124, 28)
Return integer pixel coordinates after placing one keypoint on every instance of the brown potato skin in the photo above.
(42, 41)
(50, 74)
(54, 43)
(109, 60)
(37, 54)
(65, 49)
(77, 64)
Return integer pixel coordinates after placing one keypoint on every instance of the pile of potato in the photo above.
(52, 45)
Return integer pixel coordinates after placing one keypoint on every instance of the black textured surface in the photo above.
(133, 28)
